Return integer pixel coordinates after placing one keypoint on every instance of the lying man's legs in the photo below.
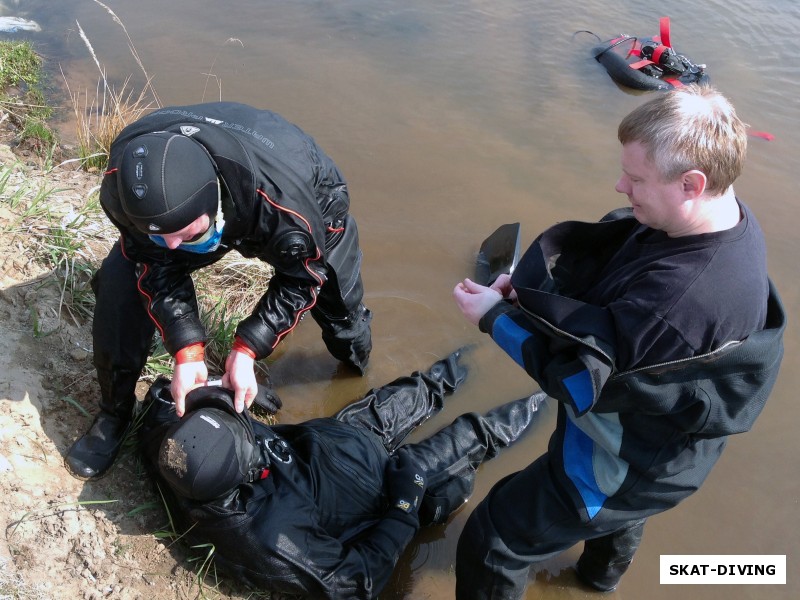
(452, 456)
(394, 410)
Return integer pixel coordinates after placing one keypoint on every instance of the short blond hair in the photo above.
(692, 127)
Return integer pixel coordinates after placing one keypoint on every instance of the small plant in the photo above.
(227, 291)
(101, 117)
(22, 95)
(73, 402)
(11, 192)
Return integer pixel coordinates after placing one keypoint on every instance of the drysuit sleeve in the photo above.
(163, 278)
(290, 236)
(287, 299)
(569, 368)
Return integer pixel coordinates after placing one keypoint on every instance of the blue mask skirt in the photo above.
(209, 242)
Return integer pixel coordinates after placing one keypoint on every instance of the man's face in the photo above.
(191, 232)
(656, 203)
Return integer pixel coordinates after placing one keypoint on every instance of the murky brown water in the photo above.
(450, 118)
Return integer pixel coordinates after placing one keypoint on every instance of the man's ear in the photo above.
(694, 183)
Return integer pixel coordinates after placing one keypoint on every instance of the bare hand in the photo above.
(240, 376)
(475, 300)
(503, 285)
(186, 377)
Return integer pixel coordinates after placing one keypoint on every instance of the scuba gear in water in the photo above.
(648, 63)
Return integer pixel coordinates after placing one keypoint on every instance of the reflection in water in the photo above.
(448, 119)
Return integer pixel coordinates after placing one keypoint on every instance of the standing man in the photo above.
(186, 185)
(658, 332)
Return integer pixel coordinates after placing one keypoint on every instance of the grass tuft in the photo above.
(22, 95)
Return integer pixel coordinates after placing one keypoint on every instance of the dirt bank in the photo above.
(64, 538)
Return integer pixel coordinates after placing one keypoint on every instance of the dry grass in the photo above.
(102, 115)
(236, 282)
(100, 118)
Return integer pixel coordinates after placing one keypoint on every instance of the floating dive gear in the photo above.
(648, 63)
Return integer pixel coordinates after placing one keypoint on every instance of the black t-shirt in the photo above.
(673, 298)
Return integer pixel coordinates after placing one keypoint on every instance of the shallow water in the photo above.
(449, 119)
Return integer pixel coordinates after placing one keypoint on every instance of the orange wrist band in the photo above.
(240, 346)
(192, 353)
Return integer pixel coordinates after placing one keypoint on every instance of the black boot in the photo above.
(91, 456)
(452, 456)
(605, 559)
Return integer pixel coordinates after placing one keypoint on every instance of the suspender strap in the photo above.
(663, 25)
(641, 63)
(657, 52)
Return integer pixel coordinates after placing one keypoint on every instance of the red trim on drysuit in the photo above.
(139, 285)
(642, 63)
(300, 312)
(139, 279)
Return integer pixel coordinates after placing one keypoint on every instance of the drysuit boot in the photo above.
(452, 456)
(605, 559)
(350, 339)
(91, 456)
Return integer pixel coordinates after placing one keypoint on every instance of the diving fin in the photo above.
(499, 254)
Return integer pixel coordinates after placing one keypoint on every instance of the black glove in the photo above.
(405, 482)
(267, 399)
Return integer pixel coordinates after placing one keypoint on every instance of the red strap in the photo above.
(762, 134)
(642, 63)
(663, 25)
(657, 52)
(673, 81)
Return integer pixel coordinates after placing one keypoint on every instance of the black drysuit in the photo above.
(284, 201)
(320, 524)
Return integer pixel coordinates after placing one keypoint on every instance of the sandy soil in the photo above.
(64, 538)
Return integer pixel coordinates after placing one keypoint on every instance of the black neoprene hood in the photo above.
(166, 181)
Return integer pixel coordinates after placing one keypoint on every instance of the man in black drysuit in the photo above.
(658, 332)
(323, 508)
(186, 185)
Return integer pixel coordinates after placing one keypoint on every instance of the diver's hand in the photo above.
(405, 482)
(475, 300)
(187, 376)
(503, 285)
(240, 376)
